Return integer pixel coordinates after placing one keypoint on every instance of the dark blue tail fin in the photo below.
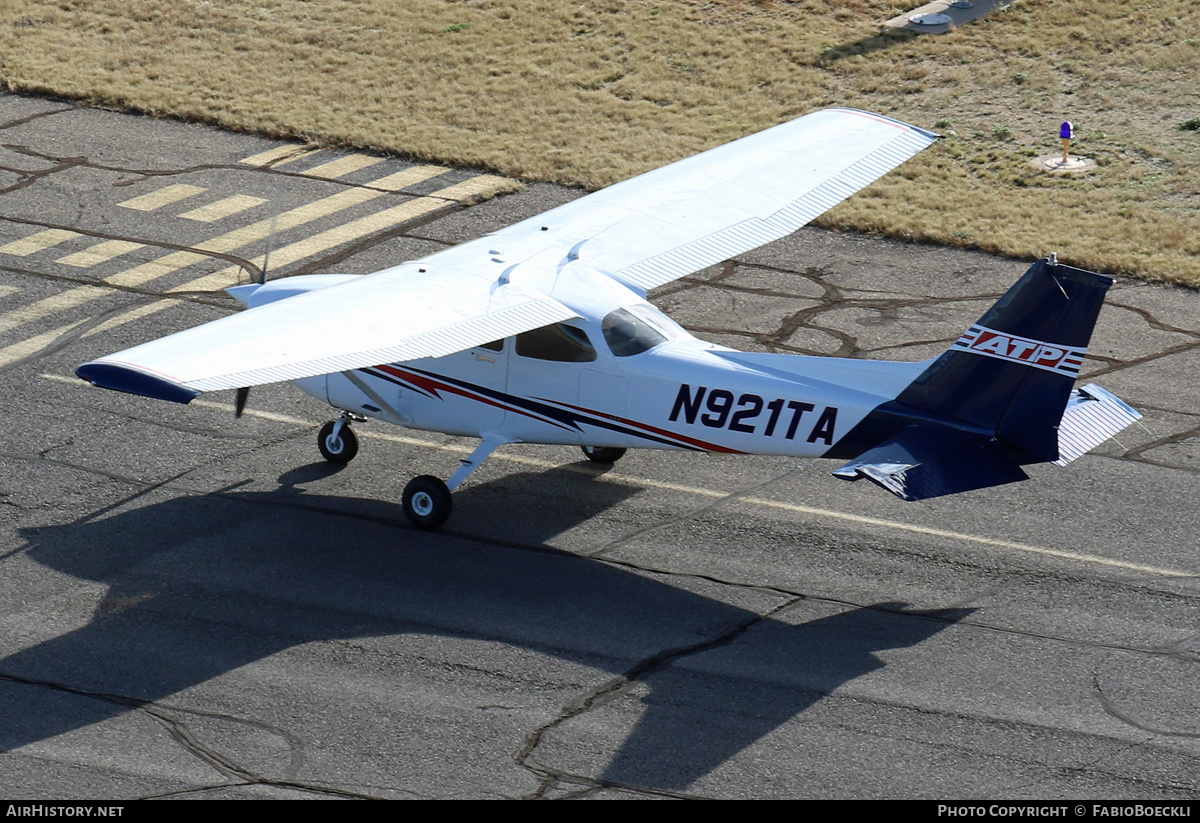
(1012, 372)
(993, 401)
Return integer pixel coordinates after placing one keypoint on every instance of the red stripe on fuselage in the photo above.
(435, 386)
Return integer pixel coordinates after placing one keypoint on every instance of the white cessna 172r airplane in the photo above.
(541, 333)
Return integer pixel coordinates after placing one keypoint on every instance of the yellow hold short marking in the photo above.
(162, 197)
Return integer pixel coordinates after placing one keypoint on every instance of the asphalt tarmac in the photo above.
(197, 606)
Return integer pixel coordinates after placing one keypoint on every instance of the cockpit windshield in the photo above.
(627, 333)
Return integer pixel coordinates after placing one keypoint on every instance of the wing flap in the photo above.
(400, 314)
(900, 145)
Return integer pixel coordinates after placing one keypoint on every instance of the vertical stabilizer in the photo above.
(996, 399)
(1012, 372)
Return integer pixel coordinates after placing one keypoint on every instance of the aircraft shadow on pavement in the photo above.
(202, 585)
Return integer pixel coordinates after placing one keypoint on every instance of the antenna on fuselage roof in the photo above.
(262, 272)
(243, 393)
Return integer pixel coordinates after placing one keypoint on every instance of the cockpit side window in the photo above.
(627, 334)
(559, 342)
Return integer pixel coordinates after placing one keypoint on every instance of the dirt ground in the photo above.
(591, 94)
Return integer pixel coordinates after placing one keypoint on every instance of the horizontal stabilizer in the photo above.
(927, 463)
(1092, 416)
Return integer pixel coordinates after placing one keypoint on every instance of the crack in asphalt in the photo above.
(37, 115)
(1139, 361)
(248, 266)
(612, 689)
(141, 175)
(171, 719)
(1129, 720)
(833, 298)
(29, 178)
(1138, 453)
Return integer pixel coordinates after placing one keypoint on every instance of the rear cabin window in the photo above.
(626, 334)
(564, 344)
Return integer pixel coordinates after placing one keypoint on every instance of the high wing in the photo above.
(670, 222)
(643, 232)
(405, 313)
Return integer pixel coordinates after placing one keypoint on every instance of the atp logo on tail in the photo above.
(1039, 354)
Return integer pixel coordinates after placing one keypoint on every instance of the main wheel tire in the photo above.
(341, 449)
(427, 502)
(602, 454)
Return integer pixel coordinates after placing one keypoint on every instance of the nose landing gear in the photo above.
(337, 441)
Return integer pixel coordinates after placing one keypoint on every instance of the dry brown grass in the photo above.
(592, 93)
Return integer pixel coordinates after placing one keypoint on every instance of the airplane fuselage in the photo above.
(584, 382)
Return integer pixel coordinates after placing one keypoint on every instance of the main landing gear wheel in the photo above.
(427, 502)
(602, 454)
(340, 449)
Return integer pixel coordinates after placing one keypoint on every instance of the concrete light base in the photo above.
(954, 14)
(1053, 164)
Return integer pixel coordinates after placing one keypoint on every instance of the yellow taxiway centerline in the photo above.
(645, 482)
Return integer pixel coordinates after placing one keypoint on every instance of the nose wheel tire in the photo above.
(427, 502)
(602, 454)
(340, 449)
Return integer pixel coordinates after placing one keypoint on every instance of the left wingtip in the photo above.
(134, 381)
